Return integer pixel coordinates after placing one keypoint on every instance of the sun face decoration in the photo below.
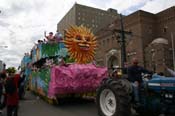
(81, 44)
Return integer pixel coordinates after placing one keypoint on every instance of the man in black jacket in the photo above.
(135, 77)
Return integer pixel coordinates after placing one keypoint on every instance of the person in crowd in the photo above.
(22, 86)
(58, 37)
(40, 41)
(161, 74)
(50, 38)
(12, 97)
(115, 74)
(2, 98)
(135, 77)
(172, 72)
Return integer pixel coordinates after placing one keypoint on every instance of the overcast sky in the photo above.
(23, 22)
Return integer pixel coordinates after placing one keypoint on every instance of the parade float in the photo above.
(64, 68)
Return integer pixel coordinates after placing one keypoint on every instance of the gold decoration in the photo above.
(81, 44)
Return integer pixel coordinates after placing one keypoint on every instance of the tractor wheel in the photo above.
(113, 98)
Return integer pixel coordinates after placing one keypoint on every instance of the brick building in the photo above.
(146, 28)
(158, 53)
(90, 17)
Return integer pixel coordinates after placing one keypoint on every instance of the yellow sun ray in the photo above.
(79, 47)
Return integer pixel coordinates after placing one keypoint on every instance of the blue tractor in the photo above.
(157, 96)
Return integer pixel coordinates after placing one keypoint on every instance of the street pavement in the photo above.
(33, 106)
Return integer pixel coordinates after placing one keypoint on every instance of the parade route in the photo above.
(34, 106)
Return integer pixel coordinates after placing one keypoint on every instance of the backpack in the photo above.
(10, 86)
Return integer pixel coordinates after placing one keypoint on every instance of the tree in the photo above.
(11, 70)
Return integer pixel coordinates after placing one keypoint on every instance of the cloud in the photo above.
(4, 24)
(134, 8)
(122, 6)
(23, 22)
(155, 6)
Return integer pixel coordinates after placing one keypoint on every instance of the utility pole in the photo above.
(122, 41)
(172, 40)
(123, 47)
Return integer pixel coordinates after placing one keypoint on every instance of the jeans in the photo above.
(136, 92)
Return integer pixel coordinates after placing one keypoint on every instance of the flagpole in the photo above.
(172, 40)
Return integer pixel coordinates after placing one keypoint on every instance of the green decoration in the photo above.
(49, 49)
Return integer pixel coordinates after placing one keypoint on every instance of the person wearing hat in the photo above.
(116, 72)
(135, 77)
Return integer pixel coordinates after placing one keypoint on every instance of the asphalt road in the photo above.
(32, 106)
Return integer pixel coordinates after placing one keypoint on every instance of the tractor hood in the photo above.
(159, 83)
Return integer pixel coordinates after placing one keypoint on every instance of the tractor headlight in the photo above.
(169, 96)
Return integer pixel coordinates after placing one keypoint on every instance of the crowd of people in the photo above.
(51, 38)
(10, 92)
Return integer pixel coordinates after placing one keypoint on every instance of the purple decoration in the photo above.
(75, 78)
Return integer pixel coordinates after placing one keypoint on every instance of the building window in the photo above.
(83, 19)
(113, 38)
(103, 42)
(150, 30)
(93, 20)
(165, 29)
(108, 41)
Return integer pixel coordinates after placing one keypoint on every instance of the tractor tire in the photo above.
(113, 98)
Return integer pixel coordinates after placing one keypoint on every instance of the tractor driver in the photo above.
(135, 77)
